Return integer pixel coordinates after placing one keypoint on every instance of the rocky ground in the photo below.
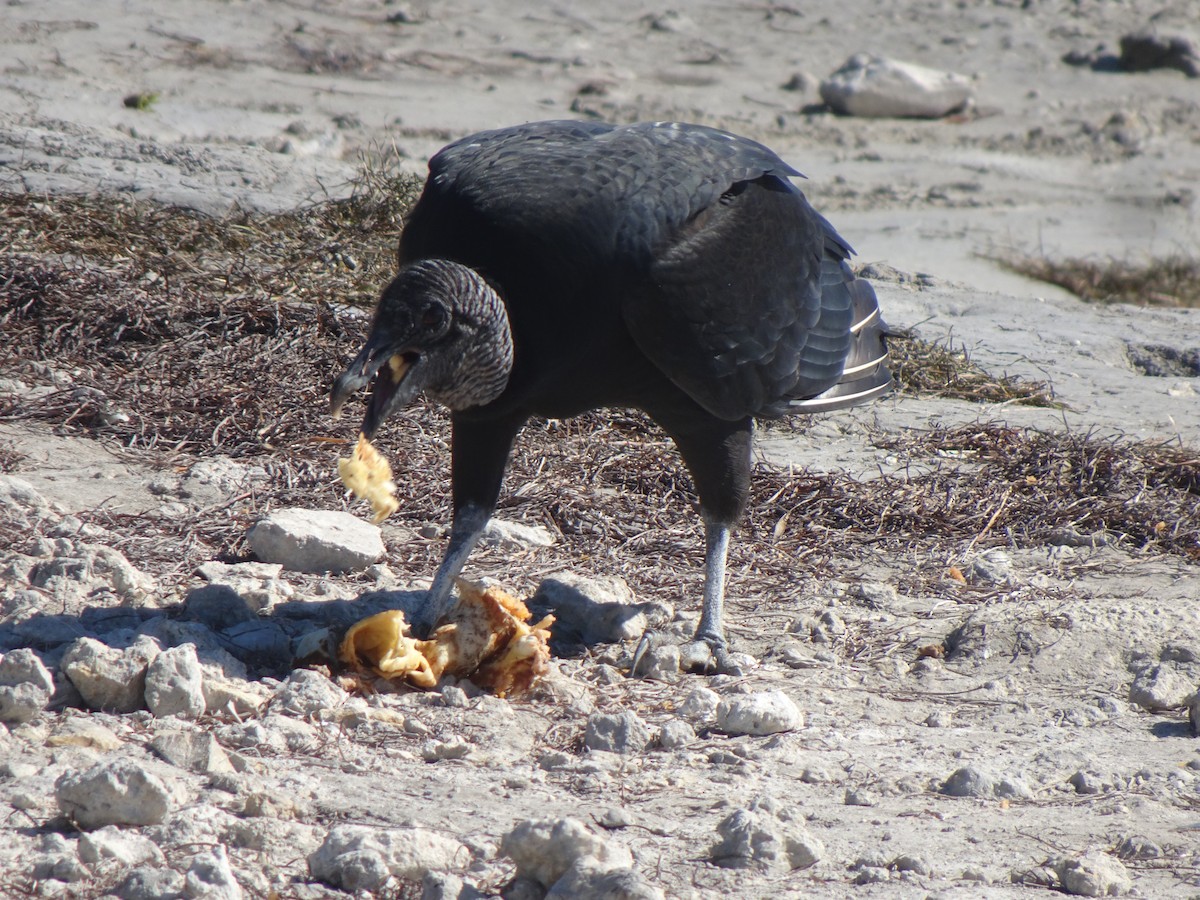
(971, 618)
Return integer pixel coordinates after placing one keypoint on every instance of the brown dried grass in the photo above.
(1172, 280)
(940, 370)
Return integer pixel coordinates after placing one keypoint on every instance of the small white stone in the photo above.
(755, 838)
(875, 86)
(24, 666)
(623, 732)
(1094, 874)
(196, 751)
(596, 610)
(454, 748)
(174, 683)
(211, 877)
(700, 705)
(767, 712)
(1160, 687)
(116, 792)
(110, 843)
(514, 535)
(242, 698)
(969, 781)
(661, 663)
(22, 702)
(307, 693)
(544, 849)
(108, 678)
(676, 734)
(83, 732)
(259, 584)
(588, 877)
(316, 540)
(358, 858)
(993, 566)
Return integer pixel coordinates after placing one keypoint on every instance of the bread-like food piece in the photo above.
(367, 474)
(382, 644)
(486, 639)
(517, 654)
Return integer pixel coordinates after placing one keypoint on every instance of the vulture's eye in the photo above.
(433, 318)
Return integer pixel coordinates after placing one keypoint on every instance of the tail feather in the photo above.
(865, 375)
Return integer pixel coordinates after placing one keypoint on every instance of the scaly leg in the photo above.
(469, 523)
(717, 453)
(716, 548)
(479, 454)
(711, 630)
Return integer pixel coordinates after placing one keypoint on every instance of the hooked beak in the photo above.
(393, 387)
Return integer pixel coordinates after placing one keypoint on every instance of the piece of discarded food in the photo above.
(517, 654)
(367, 475)
(487, 638)
(381, 644)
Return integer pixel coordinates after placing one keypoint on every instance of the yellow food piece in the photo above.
(367, 474)
(487, 639)
(381, 643)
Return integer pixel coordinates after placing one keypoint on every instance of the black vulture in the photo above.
(558, 267)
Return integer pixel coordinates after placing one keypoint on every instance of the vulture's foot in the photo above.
(699, 656)
(709, 655)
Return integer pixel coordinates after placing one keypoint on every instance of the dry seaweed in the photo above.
(1172, 280)
(940, 370)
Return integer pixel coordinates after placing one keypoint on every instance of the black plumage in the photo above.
(558, 267)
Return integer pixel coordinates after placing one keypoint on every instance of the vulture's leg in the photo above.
(716, 550)
(479, 455)
(469, 522)
(717, 453)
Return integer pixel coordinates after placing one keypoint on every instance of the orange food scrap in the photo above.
(486, 638)
(369, 476)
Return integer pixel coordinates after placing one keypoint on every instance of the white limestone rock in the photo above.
(113, 792)
(759, 838)
(1095, 874)
(233, 695)
(1160, 687)
(514, 535)
(700, 705)
(259, 584)
(878, 87)
(358, 858)
(316, 540)
(108, 678)
(112, 845)
(766, 712)
(196, 751)
(545, 849)
(587, 879)
(26, 686)
(21, 501)
(597, 610)
(174, 683)
(308, 693)
(622, 732)
(210, 876)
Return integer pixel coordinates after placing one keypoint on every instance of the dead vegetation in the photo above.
(922, 367)
(166, 331)
(1172, 280)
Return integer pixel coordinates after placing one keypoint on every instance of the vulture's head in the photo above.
(440, 328)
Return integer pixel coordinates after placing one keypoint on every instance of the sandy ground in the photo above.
(269, 104)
